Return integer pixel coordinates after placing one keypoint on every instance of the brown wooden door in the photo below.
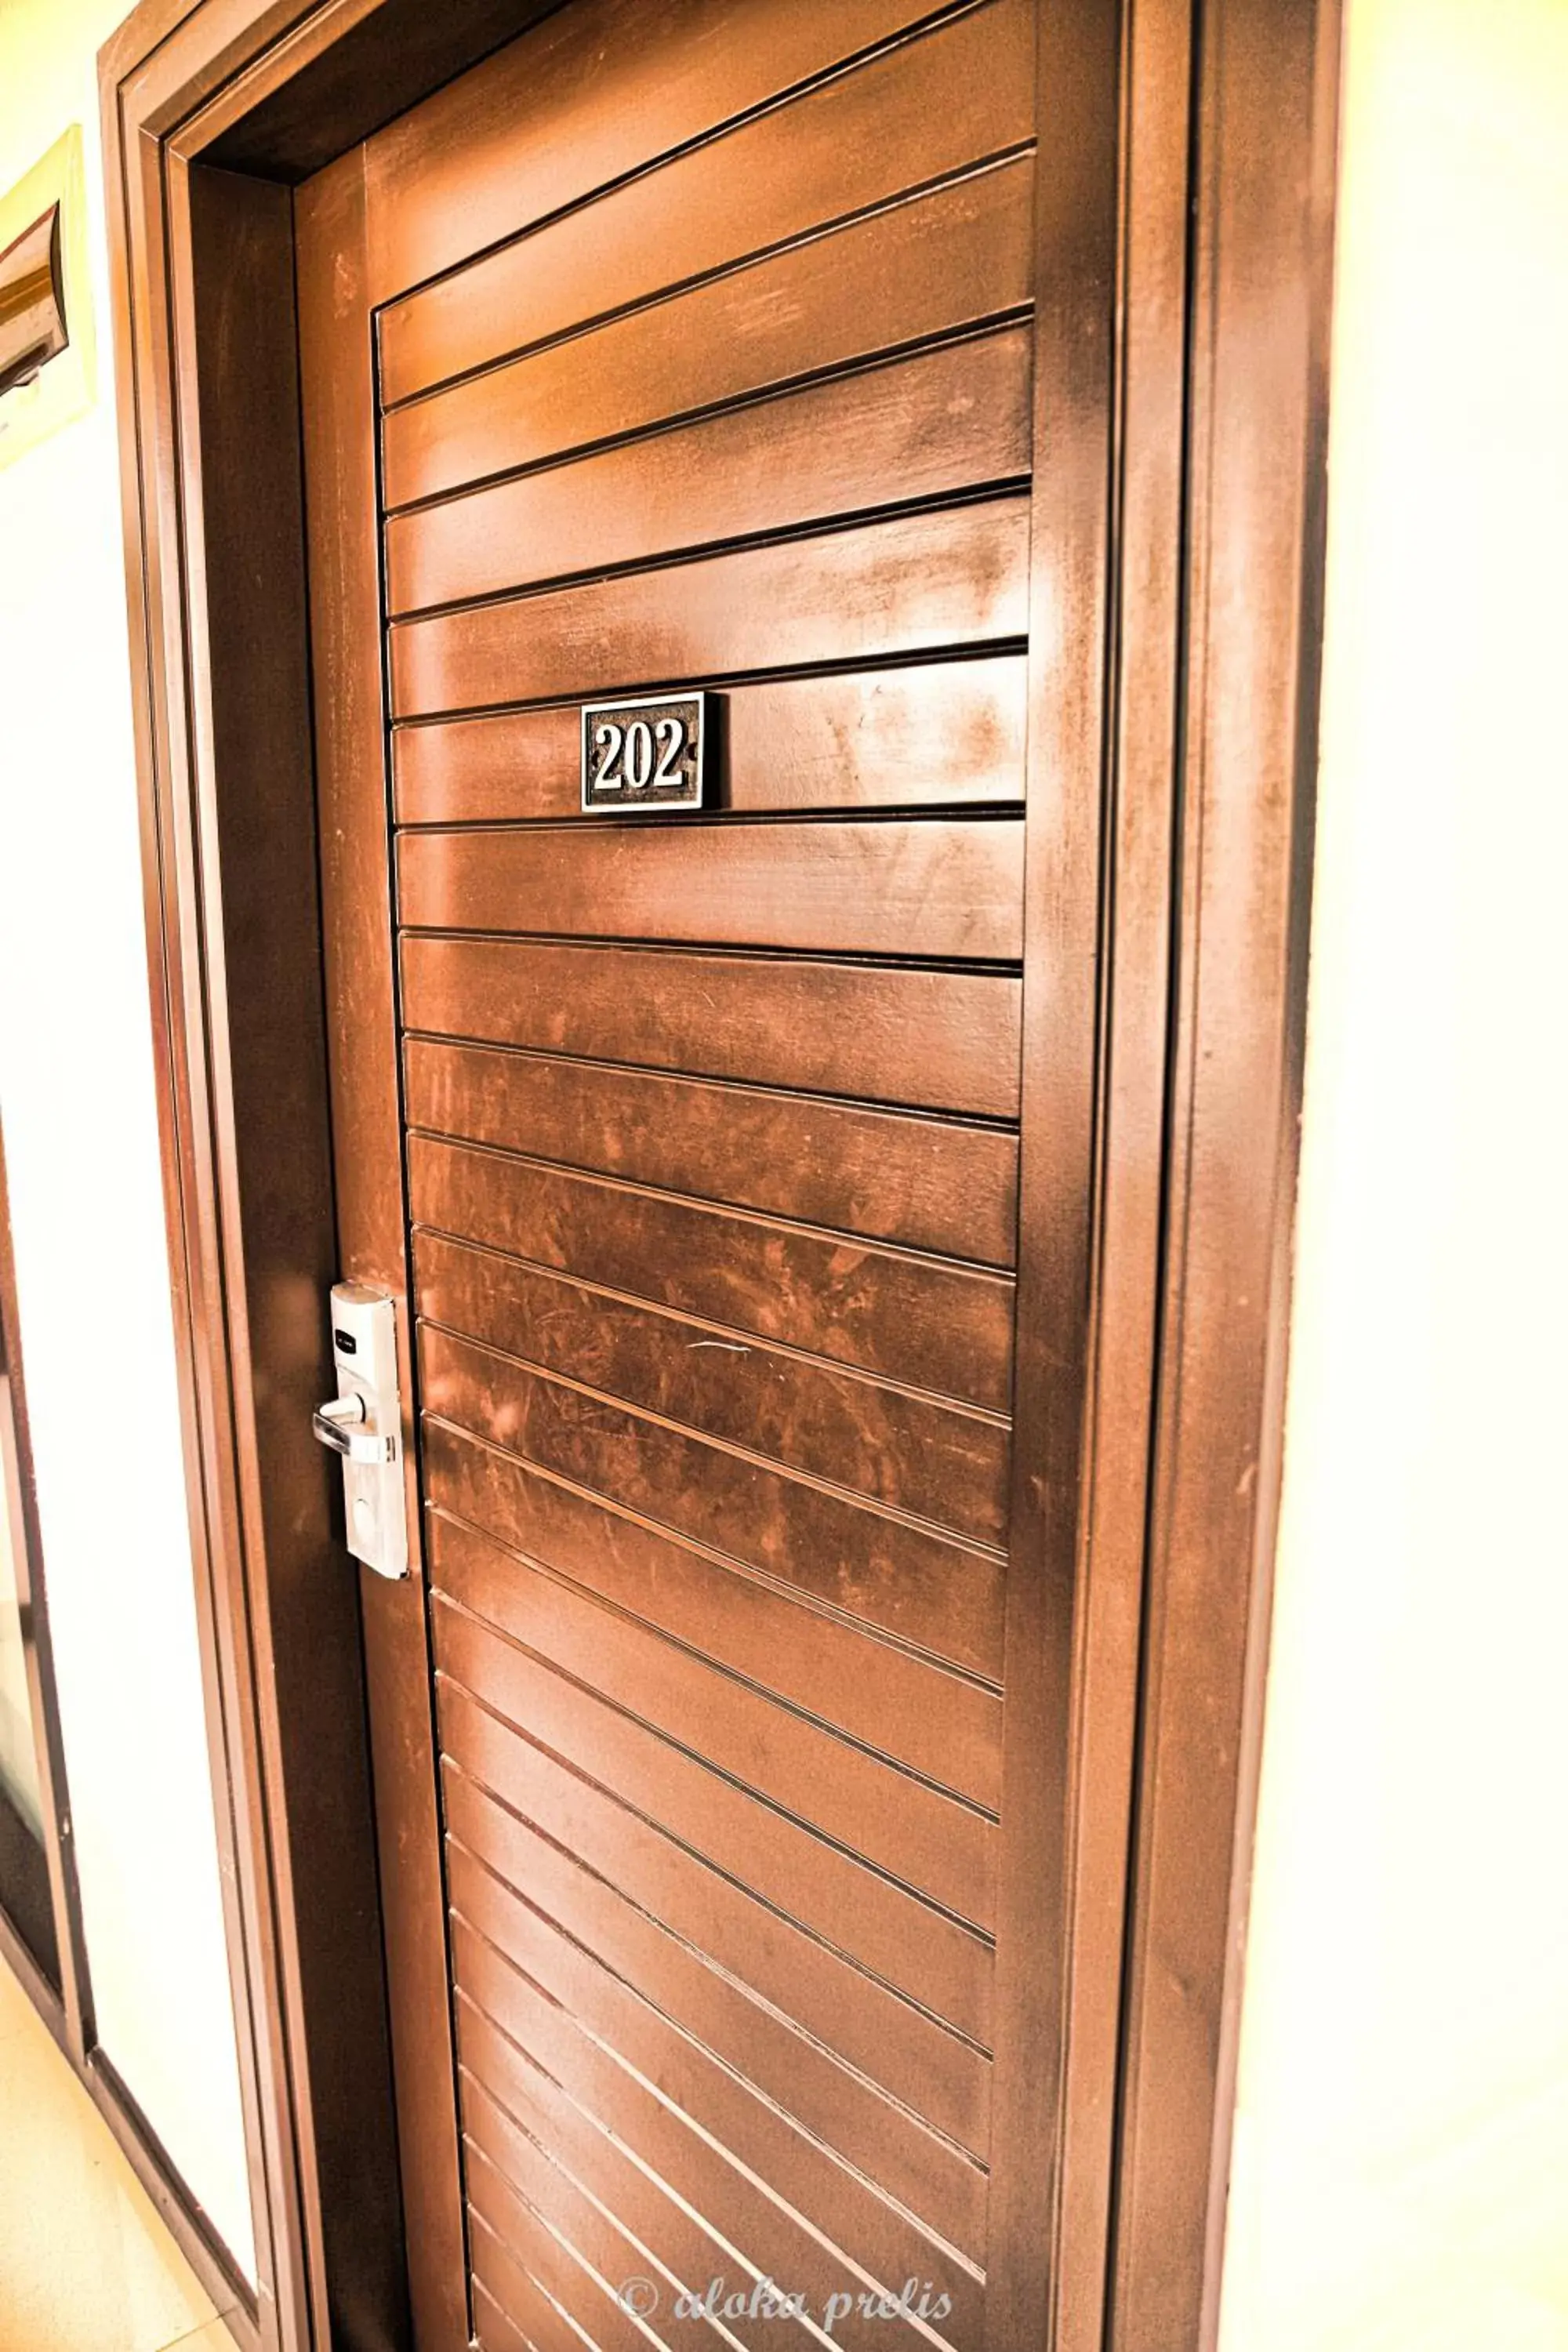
(693, 344)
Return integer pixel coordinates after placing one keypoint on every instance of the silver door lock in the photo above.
(363, 1423)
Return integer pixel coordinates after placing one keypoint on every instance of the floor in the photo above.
(85, 2265)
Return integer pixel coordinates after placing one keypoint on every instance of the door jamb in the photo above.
(1216, 492)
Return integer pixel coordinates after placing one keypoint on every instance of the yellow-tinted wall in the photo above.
(81, 1147)
(1401, 2172)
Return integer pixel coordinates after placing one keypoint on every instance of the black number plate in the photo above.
(640, 756)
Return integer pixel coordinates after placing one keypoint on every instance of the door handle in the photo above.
(363, 1425)
(337, 1423)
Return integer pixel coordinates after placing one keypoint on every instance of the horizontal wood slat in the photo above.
(943, 1040)
(881, 591)
(593, 92)
(514, 2180)
(931, 887)
(946, 421)
(581, 1993)
(926, 1323)
(558, 2239)
(503, 2287)
(924, 1182)
(938, 1724)
(493, 2331)
(951, 259)
(929, 1840)
(932, 1460)
(928, 2174)
(962, 92)
(528, 2096)
(944, 1967)
(919, 1587)
(945, 732)
(534, 2183)
(931, 2070)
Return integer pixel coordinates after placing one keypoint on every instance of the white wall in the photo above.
(78, 1100)
(1401, 2178)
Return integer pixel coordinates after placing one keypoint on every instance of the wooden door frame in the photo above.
(1195, 308)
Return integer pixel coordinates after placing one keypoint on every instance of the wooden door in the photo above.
(693, 345)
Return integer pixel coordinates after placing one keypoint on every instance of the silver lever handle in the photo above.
(337, 1423)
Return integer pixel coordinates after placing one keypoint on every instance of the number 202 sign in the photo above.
(642, 756)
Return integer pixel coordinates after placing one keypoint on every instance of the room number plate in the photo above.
(645, 755)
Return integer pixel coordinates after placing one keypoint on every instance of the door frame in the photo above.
(1196, 307)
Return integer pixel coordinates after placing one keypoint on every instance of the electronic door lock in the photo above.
(363, 1423)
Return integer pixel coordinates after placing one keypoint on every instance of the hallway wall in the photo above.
(78, 1095)
(1401, 2166)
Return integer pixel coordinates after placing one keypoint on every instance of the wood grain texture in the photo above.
(1252, 629)
(277, 1206)
(848, 2113)
(872, 2027)
(514, 2171)
(878, 592)
(1080, 225)
(1150, 588)
(357, 976)
(492, 2327)
(920, 1587)
(919, 1320)
(810, 1222)
(942, 733)
(526, 2095)
(609, 1571)
(929, 1183)
(929, 1459)
(580, 2243)
(593, 95)
(956, 95)
(951, 259)
(548, 2249)
(946, 421)
(923, 1839)
(910, 1945)
(941, 1041)
(493, 2331)
(519, 2190)
(582, 1998)
(923, 887)
(943, 1726)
